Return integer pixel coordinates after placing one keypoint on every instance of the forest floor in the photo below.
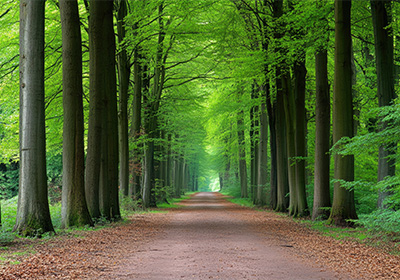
(208, 238)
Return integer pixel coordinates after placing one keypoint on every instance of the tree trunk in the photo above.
(74, 208)
(254, 135)
(96, 105)
(282, 201)
(124, 73)
(262, 179)
(273, 149)
(343, 207)
(136, 123)
(290, 118)
(300, 135)
(322, 197)
(33, 215)
(242, 156)
(383, 34)
(149, 173)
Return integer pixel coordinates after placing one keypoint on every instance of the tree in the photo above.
(300, 134)
(262, 179)
(96, 107)
(383, 34)
(102, 155)
(74, 207)
(282, 83)
(109, 198)
(322, 200)
(322, 138)
(33, 215)
(242, 155)
(343, 207)
(124, 69)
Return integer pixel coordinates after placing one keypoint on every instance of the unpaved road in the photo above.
(211, 238)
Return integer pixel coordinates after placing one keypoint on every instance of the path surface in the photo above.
(212, 239)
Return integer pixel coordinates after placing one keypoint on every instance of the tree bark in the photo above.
(242, 156)
(383, 34)
(282, 201)
(343, 207)
(74, 208)
(33, 215)
(102, 159)
(300, 135)
(96, 106)
(254, 135)
(136, 123)
(322, 197)
(262, 179)
(290, 118)
(273, 149)
(124, 74)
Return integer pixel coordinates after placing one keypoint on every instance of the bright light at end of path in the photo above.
(214, 185)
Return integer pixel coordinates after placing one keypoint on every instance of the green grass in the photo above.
(246, 202)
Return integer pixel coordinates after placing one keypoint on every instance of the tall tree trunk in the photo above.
(322, 197)
(136, 122)
(97, 10)
(383, 34)
(273, 149)
(242, 156)
(343, 207)
(153, 106)
(290, 118)
(74, 208)
(109, 203)
(262, 179)
(254, 135)
(282, 201)
(124, 73)
(300, 135)
(33, 215)
(149, 173)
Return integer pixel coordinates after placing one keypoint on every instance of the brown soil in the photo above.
(210, 238)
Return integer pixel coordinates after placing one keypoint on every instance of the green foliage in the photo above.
(246, 202)
(128, 206)
(385, 221)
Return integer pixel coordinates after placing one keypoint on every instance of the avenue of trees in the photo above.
(289, 103)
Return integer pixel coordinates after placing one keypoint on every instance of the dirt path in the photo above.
(211, 239)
